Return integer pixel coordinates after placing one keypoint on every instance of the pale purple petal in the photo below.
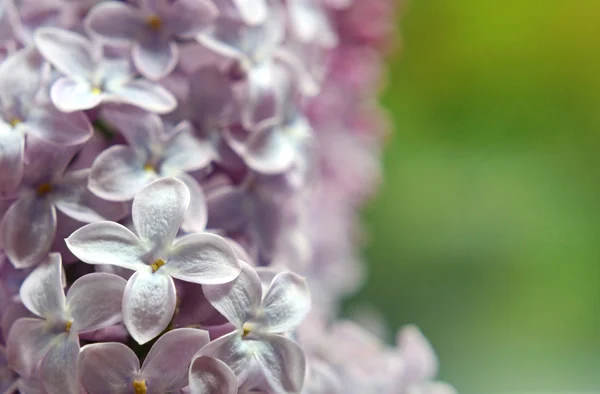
(140, 128)
(282, 362)
(252, 12)
(61, 128)
(118, 174)
(12, 148)
(233, 351)
(144, 94)
(107, 243)
(286, 303)
(202, 258)
(70, 95)
(20, 76)
(42, 291)
(210, 375)
(191, 17)
(196, 214)
(115, 21)
(27, 343)
(155, 57)
(69, 52)
(269, 150)
(166, 365)
(94, 301)
(11, 314)
(107, 368)
(185, 152)
(28, 230)
(148, 304)
(72, 197)
(158, 210)
(239, 299)
(210, 95)
(226, 207)
(420, 359)
(58, 368)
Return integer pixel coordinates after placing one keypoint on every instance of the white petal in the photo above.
(148, 304)
(28, 229)
(42, 291)
(269, 150)
(69, 52)
(94, 301)
(27, 343)
(233, 351)
(118, 174)
(166, 365)
(420, 359)
(58, 369)
(252, 11)
(286, 303)
(12, 150)
(107, 368)
(185, 152)
(107, 243)
(203, 258)
(144, 94)
(158, 210)
(70, 95)
(210, 375)
(196, 215)
(238, 300)
(282, 362)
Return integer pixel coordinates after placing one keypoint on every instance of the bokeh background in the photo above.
(486, 230)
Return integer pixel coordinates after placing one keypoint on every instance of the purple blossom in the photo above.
(152, 28)
(155, 255)
(114, 368)
(28, 226)
(92, 77)
(121, 171)
(48, 346)
(260, 320)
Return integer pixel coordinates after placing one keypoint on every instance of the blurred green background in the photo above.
(486, 231)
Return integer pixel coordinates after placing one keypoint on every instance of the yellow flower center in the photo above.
(157, 264)
(68, 326)
(15, 121)
(43, 189)
(96, 90)
(154, 22)
(139, 386)
(149, 167)
(247, 329)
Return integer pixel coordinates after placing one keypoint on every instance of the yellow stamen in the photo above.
(157, 264)
(247, 330)
(43, 189)
(15, 121)
(154, 22)
(96, 90)
(68, 326)
(149, 167)
(139, 386)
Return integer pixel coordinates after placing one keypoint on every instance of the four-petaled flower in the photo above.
(95, 75)
(258, 342)
(48, 346)
(157, 212)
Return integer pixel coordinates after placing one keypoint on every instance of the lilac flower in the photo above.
(91, 78)
(114, 368)
(28, 227)
(260, 320)
(121, 171)
(48, 346)
(149, 299)
(209, 375)
(152, 28)
(22, 114)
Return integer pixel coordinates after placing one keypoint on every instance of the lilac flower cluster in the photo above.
(178, 187)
